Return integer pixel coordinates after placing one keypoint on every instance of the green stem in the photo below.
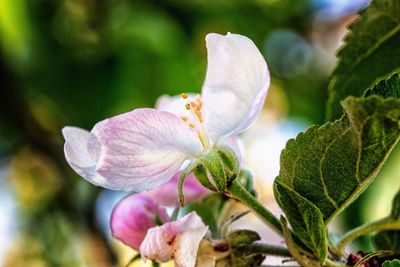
(384, 224)
(256, 248)
(237, 191)
(330, 263)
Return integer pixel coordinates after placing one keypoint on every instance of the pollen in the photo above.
(191, 125)
(185, 119)
(187, 106)
(184, 96)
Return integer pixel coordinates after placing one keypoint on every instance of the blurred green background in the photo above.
(75, 62)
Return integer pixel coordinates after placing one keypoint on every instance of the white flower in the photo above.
(144, 148)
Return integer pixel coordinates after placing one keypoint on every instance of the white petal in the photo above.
(236, 84)
(178, 239)
(187, 243)
(176, 105)
(144, 148)
(80, 153)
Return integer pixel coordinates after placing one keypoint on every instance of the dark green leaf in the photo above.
(331, 165)
(387, 87)
(393, 263)
(305, 218)
(371, 51)
(240, 238)
(388, 240)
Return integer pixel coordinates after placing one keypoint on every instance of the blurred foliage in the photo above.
(77, 62)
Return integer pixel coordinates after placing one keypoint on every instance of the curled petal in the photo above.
(167, 194)
(144, 148)
(80, 153)
(133, 216)
(236, 84)
(178, 240)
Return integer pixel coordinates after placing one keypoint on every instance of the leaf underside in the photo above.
(371, 51)
(330, 166)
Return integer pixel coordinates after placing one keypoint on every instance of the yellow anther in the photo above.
(191, 125)
(185, 119)
(184, 96)
(187, 106)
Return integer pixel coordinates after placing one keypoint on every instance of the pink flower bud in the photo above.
(133, 216)
(178, 240)
(167, 194)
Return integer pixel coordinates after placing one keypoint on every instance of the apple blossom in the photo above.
(178, 240)
(142, 149)
(133, 216)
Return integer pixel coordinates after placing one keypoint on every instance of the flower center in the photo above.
(195, 109)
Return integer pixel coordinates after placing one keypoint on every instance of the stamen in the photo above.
(195, 109)
(193, 105)
(198, 98)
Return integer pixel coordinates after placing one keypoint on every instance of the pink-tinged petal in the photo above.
(236, 84)
(133, 216)
(144, 148)
(80, 153)
(167, 194)
(178, 240)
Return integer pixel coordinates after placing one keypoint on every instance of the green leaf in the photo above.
(301, 256)
(371, 51)
(392, 263)
(388, 240)
(306, 219)
(332, 165)
(386, 87)
(240, 238)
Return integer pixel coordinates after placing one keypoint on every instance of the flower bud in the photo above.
(133, 216)
(217, 168)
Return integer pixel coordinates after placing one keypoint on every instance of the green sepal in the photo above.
(201, 174)
(181, 181)
(222, 165)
